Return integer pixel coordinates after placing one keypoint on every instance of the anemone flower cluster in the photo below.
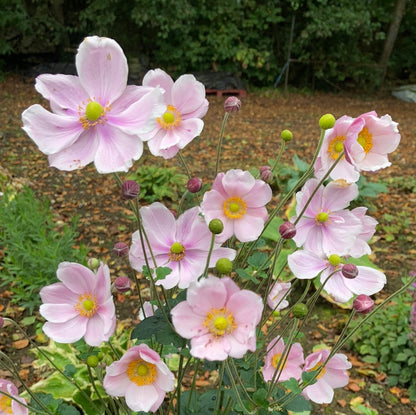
(181, 245)
(80, 306)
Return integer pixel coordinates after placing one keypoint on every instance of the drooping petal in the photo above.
(102, 68)
(141, 398)
(67, 332)
(102, 283)
(50, 132)
(305, 265)
(320, 392)
(369, 281)
(336, 287)
(94, 333)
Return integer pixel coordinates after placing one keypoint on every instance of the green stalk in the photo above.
(224, 123)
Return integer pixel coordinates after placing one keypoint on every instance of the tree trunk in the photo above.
(391, 37)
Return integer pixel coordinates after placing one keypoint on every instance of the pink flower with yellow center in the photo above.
(369, 140)
(95, 116)
(286, 365)
(81, 305)
(181, 122)
(219, 318)
(238, 200)
(333, 374)
(141, 377)
(180, 244)
(9, 405)
(332, 147)
(326, 226)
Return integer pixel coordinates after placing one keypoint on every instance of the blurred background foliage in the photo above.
(335, 44)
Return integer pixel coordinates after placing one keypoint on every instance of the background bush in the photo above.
(336, 43)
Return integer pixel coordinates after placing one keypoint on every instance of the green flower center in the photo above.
(334, 260)
(94, 110)
(168, 117)
(142, 370)
(177, 251)
(88, 305)
(221, 323)
(322, 217)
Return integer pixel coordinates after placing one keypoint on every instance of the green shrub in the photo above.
(32, 246)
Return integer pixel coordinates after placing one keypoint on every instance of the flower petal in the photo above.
(187, 324)
(369, 281)
(188, 96)
(68, 332)
(58, 293)
(76, 277)
(159, 78)
(305, 264)
(58, 313)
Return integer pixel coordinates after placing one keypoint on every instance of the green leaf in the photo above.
(272, 230)
(299, 404)
(162, 272)
(259, 260)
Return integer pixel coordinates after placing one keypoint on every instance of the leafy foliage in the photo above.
(159, 183)
(33, 246)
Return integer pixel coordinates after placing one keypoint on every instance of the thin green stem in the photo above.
(219, 146)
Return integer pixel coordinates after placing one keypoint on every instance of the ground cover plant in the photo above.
(164, 334)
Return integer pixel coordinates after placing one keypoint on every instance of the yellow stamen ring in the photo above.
(365, 139)
(176, 252)
(170, 119)
(220, 322)
(234, 208)
(317, 367)
(92, 113)
(141, 372)
(6, 405)
(336, 146)
(87, 305)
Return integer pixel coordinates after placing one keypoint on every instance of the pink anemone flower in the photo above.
(95, 116)
(141, 377)
(81, 305)
(307, 265)
(181, 122)
(238, 200)
(332, 146)
(219, 318)
(181, 245)
(290, 367)
(9, 405)
(326, 227)
(369, 140)
(333, 375)
(360, 246)
(276, 298)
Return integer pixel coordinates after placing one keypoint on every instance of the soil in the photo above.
(252, 137)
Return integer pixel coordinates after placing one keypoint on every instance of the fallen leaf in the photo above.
(20, 344)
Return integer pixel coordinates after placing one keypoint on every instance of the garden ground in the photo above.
(252, 137)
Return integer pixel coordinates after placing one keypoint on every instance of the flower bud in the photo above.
(232, 104)
(327, 121)
(300, 310)
(286, 135)
(194, 185)
(93, 263)
(216, 226)
(287, 230)
(266, 174)
(130, 189)
(224, 266)
(349, 271)
(121, 249)
(92, 361)
(122, 284)
(363, 304)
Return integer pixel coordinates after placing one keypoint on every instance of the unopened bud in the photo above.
(349, 271)
(286, 135)
(232, 104)
(327, 121)
(363, 304)
(287, 230)
(300, 310)
(266, 174)
(224, 266)
(194, 185)
(130, 189)
(93, 263)
(122, 284)
(92, 361)
(216, 226)
(121, 249)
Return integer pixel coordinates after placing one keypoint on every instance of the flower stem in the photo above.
(224, 123)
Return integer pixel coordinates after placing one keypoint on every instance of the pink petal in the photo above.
(116, 150)
(209, 348)
(94, 333)
(320, 392)
(58, 313)
(68, 332)
(187, 324)
(205, 295)
(188, 96)
(338, 195)
(336, 287)
(116, 385)
(238, 183)
(107, 311)
(64, 91)
(58, 293)
(77, 155)
(159, 78)
(50, 132)
(76, 277)
(102, 284)
(374, 162)
(259, 195)
(165, 379)
(246, 308)
(369, 281)
(248, 228)
(141, 398)
(102, 68)
(305, 265)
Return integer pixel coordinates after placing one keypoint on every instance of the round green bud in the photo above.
(286, 135)
(100, 356)
(216, 226)
(327, 121)
(92, 361)
(300, 310)
(93, 263)
(224, 266)
(276, 313)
